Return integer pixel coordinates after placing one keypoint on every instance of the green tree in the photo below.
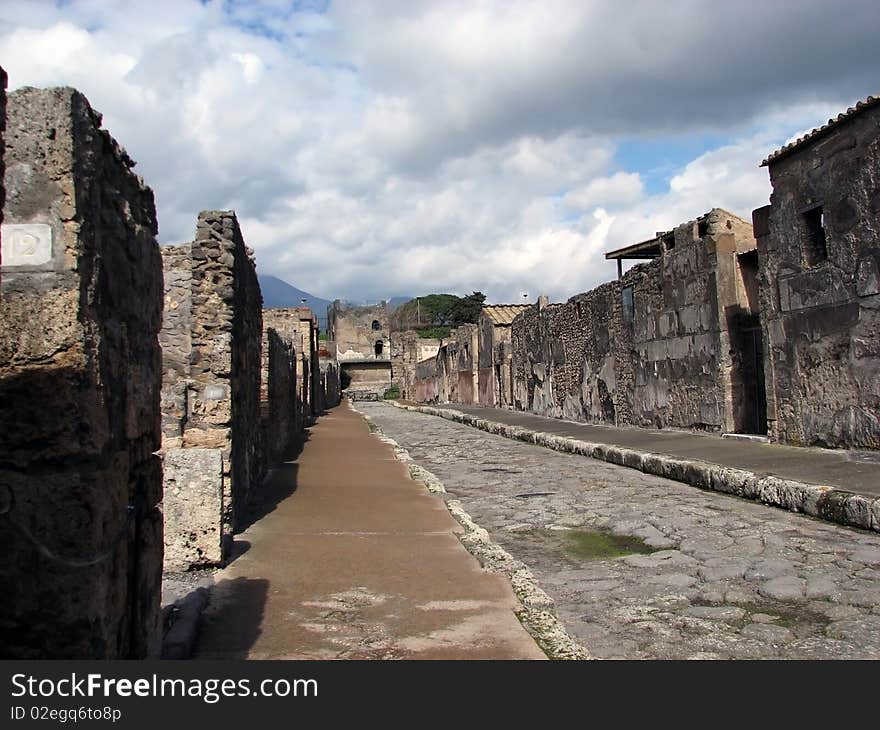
(467, 309)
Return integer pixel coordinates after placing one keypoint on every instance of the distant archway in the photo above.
(380, 346)
(376, 325)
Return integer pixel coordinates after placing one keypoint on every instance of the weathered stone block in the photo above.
(193, 507)
(211, 337)
(81, 310)
(3, 81)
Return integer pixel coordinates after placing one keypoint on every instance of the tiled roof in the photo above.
(503, 314)
(871, 101)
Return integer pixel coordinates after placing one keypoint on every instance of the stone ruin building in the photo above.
(297, 328)
(362, 337)
(496, 354)
(819, 292)
(155, 408)
(728, 328)
(80, 373)
(173, 390)
(684, 332)
(408, 349)
(671, 343)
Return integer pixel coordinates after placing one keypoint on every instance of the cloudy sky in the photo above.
(378, 148)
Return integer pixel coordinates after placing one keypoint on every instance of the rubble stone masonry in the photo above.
(651, 349)
(80, 483)
(3, 81)
(819, 252)
(407, 350)
(211, 338)
(281, 407)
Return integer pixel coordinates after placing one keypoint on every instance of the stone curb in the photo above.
(537, 614)
(179, 640)
(826, 503)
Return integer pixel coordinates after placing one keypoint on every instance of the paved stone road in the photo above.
(728, 579)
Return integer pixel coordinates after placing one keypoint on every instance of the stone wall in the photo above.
(285, 322)
(675, 340)
(363, 346)
(211, 388)
(308, 370)
(539, 358)
(494, 354)
(278, 406)
(453, 373)
(407, 350)
(331, 390)
(659, 347)
(426, 385)
(486, 375)
(564, 361)
(3, 81)
(79, 389)
(819, 253)
(175, 340)
(358, 330)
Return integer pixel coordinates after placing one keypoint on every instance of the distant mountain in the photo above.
(278, 294)
(395, 302)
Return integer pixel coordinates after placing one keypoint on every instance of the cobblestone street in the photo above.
(710, 576)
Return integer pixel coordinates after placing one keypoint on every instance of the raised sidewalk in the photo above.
(352, 559)
(838, 486)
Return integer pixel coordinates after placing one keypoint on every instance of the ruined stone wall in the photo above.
(357, 330)
(295, 325)
(248, 468)
(539, 357)
(279, 407)
(175, 340)
(594, 357)
(407, 350)
(494, 376)
(465, 363)
(822, 313)
(363, 345)
(451, 376)
(3, 81)
(566, 358)
(426, 386)
(79, 389)
(486, 376)
(504, 372)
(331, 390)
(651, 349)
(676, 341)
(218, 400)
(286, 323)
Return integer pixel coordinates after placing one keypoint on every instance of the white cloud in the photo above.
(619, 188)
(401, 148)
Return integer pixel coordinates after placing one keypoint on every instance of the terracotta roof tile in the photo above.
(503, 314)
(818, 132)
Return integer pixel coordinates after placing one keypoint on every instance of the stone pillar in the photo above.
(211, 390)
(80, 483)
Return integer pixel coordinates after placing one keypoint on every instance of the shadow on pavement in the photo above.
(232, 624)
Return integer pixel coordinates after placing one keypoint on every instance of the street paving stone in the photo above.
(730, 578)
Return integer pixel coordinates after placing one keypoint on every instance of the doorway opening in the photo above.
(749, 395)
